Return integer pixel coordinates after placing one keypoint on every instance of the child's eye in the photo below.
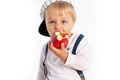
(51, 22)
(64, 21)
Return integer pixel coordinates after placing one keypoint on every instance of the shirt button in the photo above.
(68, 48)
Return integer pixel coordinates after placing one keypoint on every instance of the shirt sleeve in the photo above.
(41, 75)
(82, 59)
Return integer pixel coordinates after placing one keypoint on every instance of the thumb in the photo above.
(62, 46)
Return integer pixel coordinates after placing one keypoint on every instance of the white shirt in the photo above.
(58, 70)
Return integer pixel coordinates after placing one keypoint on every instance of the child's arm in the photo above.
(82, 59)
(61, 53)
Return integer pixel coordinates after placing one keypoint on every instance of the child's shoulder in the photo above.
(77, 34)
(44, 45)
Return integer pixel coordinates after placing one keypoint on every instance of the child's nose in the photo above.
(58, 27)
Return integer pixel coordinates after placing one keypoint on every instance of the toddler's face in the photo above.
(58, 21)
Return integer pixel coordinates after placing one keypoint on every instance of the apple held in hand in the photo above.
(58, 38)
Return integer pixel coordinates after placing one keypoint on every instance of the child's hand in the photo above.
(61, 53)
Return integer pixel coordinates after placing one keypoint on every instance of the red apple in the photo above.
(58, 38)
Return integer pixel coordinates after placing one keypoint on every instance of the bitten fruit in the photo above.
(58, 38)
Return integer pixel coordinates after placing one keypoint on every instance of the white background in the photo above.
(20, 42)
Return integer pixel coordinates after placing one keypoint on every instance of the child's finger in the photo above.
(50, 44)
(51, 47)
(62, 46)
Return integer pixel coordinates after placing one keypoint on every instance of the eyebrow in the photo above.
(50, 19)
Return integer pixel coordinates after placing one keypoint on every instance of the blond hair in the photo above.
(63, 6)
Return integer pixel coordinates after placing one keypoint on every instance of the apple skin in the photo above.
(58, 38)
